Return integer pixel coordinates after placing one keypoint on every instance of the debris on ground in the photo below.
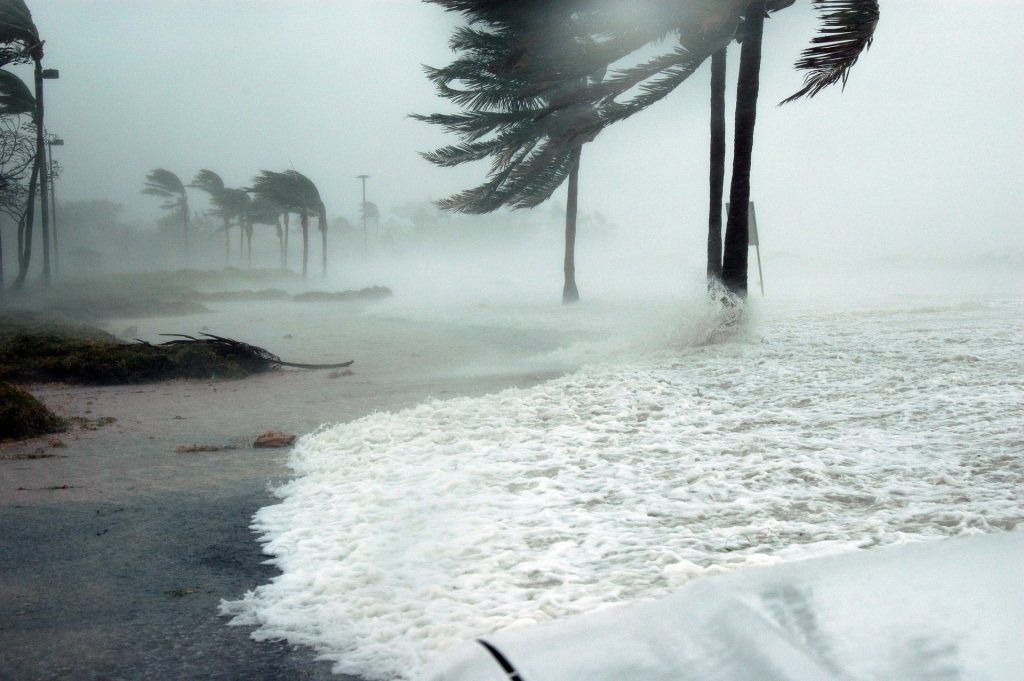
(195, 449)
(23, 416)
(274, 439)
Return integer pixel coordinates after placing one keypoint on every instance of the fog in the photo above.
(917, 161)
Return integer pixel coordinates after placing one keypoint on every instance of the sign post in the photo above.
(752, 240)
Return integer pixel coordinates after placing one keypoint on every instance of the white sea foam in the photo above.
(405, 533)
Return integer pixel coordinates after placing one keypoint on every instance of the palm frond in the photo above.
(19, 39)
(15, 97)
(846, 31)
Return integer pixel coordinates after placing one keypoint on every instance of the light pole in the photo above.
(364, 178)
(51, 142)
(42, 74)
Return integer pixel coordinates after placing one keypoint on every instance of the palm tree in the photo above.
(20, 43)
(717, 172)
(734, 257)
(531, 124)
(295, 193)
(497, 56)
(211, 183)
(265, 211)
(168, 186)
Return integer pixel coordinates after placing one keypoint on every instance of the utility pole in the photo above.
(364, 178)
(51, 142)
(42, 74)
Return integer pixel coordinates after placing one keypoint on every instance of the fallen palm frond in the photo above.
(39, 352)
(233, 348)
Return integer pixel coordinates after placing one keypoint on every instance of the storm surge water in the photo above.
(810, 432)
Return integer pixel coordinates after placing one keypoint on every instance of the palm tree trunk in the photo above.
(305, 243)
(44, 207)
(248, 247)
(570, 294)
(184, 227)
(321, 222)
(717, 174)
(227, 242)
(25, 229)
(287, 229)
(280, 242)
(734, 264)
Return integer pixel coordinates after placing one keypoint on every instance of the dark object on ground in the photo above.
(245, 294)
(232, 348)
(39, 453)
(369, 293)
(274, 439)
(35, 350)
(199, 449)
(22, 415)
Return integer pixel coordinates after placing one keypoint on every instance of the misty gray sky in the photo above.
(922, 150)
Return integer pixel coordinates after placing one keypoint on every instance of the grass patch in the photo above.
(23, 416)
(35, 349)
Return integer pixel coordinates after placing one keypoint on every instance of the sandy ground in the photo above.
(117, 550)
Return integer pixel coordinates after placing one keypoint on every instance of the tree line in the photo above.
(535, 83)
(271, 200)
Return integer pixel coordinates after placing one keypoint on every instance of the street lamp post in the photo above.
(51, 142)
(364, 178)
(42, 74)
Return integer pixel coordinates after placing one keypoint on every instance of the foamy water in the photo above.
(815, 432)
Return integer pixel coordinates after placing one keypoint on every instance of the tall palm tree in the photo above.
(717, 171)
(494, 59)
(211, 183)
(531, 136)
(265, 211)
(734, 257)
(168, 186)
(295, 193)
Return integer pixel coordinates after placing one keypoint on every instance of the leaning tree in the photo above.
(211, 183)
(168, 186)
(490, 80)
(565, 108)
(295, 193)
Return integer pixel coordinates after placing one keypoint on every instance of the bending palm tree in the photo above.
(168, 186)
(210, 182)
(296, 193)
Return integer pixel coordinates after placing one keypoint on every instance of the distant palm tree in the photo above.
(264, 211)
(297, 193)
(168, 186)
(211, 183)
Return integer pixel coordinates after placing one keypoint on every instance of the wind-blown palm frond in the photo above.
(847, 30)
(19, 39)
(208, 181)
(166, 185)
(15, 97)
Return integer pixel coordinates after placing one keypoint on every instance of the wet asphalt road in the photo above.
(130, 591)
